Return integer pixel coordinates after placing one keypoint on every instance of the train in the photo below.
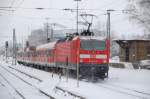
(86, 53)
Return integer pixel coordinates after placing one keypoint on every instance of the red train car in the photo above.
(91, 53)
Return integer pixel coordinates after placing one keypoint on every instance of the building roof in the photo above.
(131, 40)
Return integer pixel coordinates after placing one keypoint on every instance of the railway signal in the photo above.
(6, 52)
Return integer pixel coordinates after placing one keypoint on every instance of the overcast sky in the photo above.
(25, 18)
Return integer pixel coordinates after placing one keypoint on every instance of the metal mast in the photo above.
(47, 30)
(108, 24)
(78, 49)
(14, 48)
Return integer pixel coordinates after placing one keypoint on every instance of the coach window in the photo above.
(38, 54)
(50, 52)
(43, 53)
(35, 54)
(27, 54)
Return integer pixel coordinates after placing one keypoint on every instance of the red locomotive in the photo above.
(91, 53)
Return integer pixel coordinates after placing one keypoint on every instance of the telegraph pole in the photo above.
(77, 30)
(14, 48)
(108, 24)
(78, 48)
(77, 13)
(108, 29)
(52, 32)
(47, 30)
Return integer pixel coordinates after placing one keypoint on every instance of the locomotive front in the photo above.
(94, 57)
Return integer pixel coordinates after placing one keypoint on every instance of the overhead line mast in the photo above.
(78, 49)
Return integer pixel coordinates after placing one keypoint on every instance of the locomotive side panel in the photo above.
(63, 55)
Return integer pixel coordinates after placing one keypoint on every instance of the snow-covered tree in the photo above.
(139, 11)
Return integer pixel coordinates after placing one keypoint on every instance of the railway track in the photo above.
(29, 84)
(35, 78)
(21, 96)
(56, 88)
(115, 88)
(137, 91)
(123, 90)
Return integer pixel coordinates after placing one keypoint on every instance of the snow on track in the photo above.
(71, 89)
(23, 89)
(31, 80)
(9, 90)
(26, 74)
(106, 89)
(125, 91)
(138, 80)
(35, 84)
(128, 89)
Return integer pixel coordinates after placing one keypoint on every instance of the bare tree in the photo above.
(139, 11)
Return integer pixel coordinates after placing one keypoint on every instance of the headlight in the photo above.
(104, 61)
(81, 60)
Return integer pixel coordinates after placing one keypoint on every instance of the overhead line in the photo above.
(100, 10)
(7, 10)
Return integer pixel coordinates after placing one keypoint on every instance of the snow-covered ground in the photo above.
(121, 84)
(145, 64)
(115, 61)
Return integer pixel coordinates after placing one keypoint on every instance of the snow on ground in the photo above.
(24, 89)
(122, 83)
(4, 94)
(134, 79)
(145, 64)
(115, 60)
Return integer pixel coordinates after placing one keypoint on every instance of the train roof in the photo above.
(91, 37)
(20, 50)
(47, 46)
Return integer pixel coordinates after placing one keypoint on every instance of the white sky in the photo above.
(24, 20)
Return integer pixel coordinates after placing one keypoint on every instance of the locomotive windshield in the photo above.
(92, 44)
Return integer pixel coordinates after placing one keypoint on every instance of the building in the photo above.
(39, 36)
(133, 50)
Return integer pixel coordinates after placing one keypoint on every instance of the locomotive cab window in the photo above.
(92, 44)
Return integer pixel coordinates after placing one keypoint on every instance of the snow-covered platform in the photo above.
(29, 83)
